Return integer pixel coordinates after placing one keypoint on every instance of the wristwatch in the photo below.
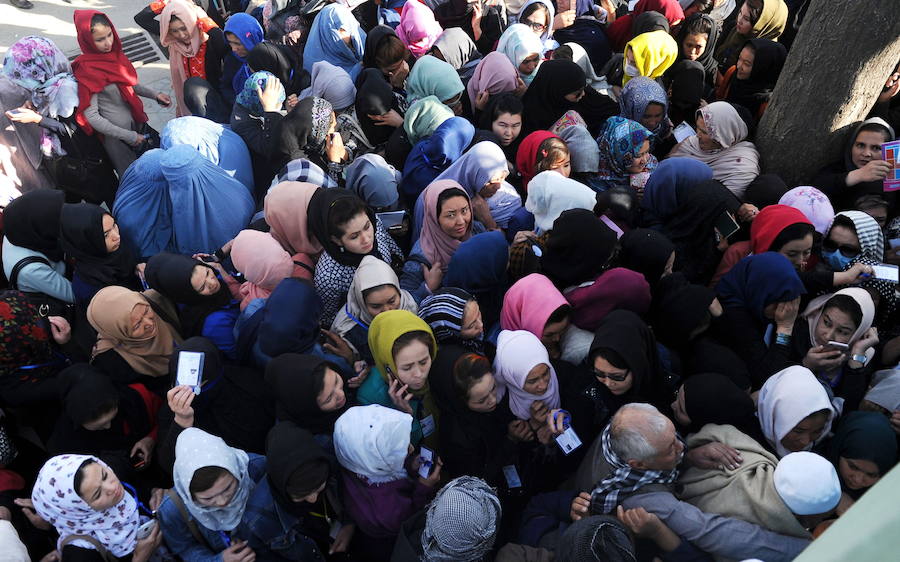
(861, 358)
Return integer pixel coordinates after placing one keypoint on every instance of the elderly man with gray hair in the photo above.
(634, 463)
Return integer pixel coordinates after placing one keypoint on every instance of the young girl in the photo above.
(541, 151)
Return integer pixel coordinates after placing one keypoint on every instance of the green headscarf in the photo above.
(423, 117)
(865, 436)
(433, 77)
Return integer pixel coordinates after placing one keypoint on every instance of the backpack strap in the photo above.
(20, 265)
(104, 553)
(185, 516)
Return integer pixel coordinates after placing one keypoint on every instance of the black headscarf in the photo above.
(624, 333)
(374, 96)
(81, 237)
(374, 38)
(678, 309)
(765, 190)
(647, 22)
(281, 61)
(578, 248)
(686, 81)
(32, 220)
(290, 376)
(295, 138)
(170, 274)
(544, 100)
(645, 251)
(318, 217)
(757, 89)
(706, 59)
(714, 398)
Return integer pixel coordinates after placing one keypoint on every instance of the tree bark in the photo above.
(837, 67)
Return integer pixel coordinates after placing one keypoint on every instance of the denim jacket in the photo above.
(178, 536)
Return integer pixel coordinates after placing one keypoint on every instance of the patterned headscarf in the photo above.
(461, 522)
(56, 501)
(23, 341)
(637, 95)
(36, 64)
(321, 121)
(444, 310)
(620, 140)
(249, 97)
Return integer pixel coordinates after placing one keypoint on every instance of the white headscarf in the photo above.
(372, 442)
(57, 502)
(786, 399)
(372, 272)
(862, 298)
(518, 352)
(196, 449)
(550, 193)
(581, 58)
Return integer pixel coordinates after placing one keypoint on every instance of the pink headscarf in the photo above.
(418, 29)
(529, 303)
(495, 74)
(618, 288)
(437, 246)
(263, 262)
(188, 13)
(286, 208)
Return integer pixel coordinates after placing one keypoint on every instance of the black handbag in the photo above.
(85, 171)
(45, 304)
(151, 139)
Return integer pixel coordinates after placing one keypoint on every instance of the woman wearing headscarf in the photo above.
(431, 156)
(578, 248)
(584, 154)
(309, 391)
(645, 101)
(205, 467)
(287, 210)
(794, 411)
(31, 245)
(547, 317)
(335, 36)
(539, 151)
(648, 252)
(108, 89)
(375, 103)
(620, 31)
(494, 75)
(136, 333)
(863, 449)
(202, 293)
(814, 205)
(297, 504)
(550, 194)
(255, 115)
(751, 82)
(308, 130)
(81, 496)
(614, 289)
(283, 62)
(38, 95)
(777, 228)
(348, 230)
(756, 19)
(197, 47)
(524, 49)
(721, 143)
(760, 297)
(649, 54)
(332, 84)
(557, 87)
(215, 141)
(479, 267)
(433, 77)
(112, 422)
(624, 151)
(423, 117)
(375, 181)
(714, 398)
(372, 445)
(455, 318)
(697, 38)
(844, 317)
(576, 53)
(243, 33)
(195, 205)
(418, 29)
(264, 264)
(455, 47)
(90, 236)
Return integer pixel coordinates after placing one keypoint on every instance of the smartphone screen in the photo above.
(726, 225)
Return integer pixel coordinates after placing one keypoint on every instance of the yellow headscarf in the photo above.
(384, 331)
(654, 52)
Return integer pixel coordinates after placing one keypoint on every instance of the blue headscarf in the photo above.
(672, 173)
(290, 322)
(759, 280)
(324, 43)
(217, 143)
(479, 267)
(250, 33)
(637, 95)
(434, 154)
(248, 96)
(178, 201)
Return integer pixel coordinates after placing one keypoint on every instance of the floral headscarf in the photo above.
(321, 121)
(620, 140)
(249, 97)
(22, 339)
(637, 95)
(36, 64)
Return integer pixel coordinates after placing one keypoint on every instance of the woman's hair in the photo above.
(410, 337)
(756, 9)
(874, 127)
(532, 8)
(100, 409)
(870, 201)
(204, 478)
(842, 220)
(467, 371)
(370, 290)
(560, 314)
(79, 476)
(100, 19)
(703, 6)
(507, 102)
(796, 231)
(612, 357)
(699, 26)
(307, 478)
(847, 305)
(551, 151)
(390, 50)
(449, 194)
(342, 211)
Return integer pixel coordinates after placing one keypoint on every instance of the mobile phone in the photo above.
(426, 467)
(726, 225)
(138, 460)
(209, 259)
(838, 345)
(145, 529)
(15, 111)
(392, 219)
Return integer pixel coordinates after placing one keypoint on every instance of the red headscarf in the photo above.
(619, 31)
(95, 70)
(769, 223)
(526, 157)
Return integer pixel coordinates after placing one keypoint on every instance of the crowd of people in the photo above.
(442, 280)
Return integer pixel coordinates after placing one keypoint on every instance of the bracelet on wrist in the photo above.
(782, 339)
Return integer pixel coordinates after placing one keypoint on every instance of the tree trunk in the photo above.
(837, 67)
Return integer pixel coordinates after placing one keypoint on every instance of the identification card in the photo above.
(683, 131)
(190, 368)
(512, 476)
(887, 272)
(427, 424)
(426, 455)
(568, 441)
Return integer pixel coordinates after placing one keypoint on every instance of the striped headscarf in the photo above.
(443, 310)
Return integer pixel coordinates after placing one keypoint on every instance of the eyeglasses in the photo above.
(616, 377)
(829, 245)
(535, 25)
